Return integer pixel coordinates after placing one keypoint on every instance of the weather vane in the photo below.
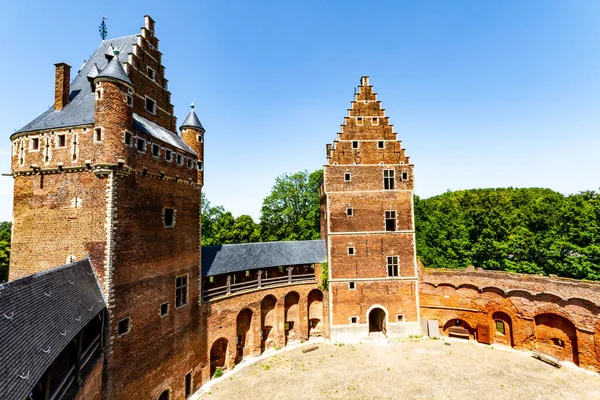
(103, 31)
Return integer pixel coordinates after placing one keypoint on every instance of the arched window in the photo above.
(166, 395)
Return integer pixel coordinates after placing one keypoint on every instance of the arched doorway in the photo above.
(218, 354)
(315, 313)
(556, 335)
(502, 328)
(166, 395)
(377, 320)
(292, 317)
(267, 322)
(243, 324)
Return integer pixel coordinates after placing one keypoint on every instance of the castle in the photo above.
(111, 295)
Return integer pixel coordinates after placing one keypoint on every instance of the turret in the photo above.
(113, 111)
(192, 132)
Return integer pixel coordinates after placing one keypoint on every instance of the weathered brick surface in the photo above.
(91, 388)
(354, 179)
(556, 316)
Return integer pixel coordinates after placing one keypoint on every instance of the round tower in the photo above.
(192, 132)
(113, 112)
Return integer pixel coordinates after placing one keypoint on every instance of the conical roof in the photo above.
(192, 121)
(114, 70)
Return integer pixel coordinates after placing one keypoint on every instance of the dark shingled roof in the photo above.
(192, 121)
(241, 257)
(39, 315)
(114, 70)
(80, 109)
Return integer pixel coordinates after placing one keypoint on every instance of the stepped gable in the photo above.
(231, 258)
(368, 125)
(39, 315)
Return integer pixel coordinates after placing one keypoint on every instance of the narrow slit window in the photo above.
(381, 144)
(98, 135)
(392, 266)
(349, 212)
(129, 100)
(388, 179)
(390, 221)
(355, 144)
(169, 217)
(351, 285)
(347, 177)
(141, 144)
(188, 385)
(351, 251)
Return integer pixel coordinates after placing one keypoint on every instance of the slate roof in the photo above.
(39, 315)
(80, 109)
(230, 258)
(192, 121)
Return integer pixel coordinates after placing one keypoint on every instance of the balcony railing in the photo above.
(259, 283)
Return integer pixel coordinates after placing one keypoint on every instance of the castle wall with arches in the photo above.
(555, 316)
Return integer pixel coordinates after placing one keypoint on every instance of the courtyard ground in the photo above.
(411, 369)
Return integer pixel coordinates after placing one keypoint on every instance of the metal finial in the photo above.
(103, 31)
(192, 105)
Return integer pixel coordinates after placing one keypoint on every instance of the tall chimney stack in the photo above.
(62, 86)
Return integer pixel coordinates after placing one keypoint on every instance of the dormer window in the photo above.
(168, 155)
(179, 159)
(190, 163)
(150, 105)
(151, 74)
(141, 144)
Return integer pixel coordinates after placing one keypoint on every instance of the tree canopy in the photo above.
(5, 234)
(521, 230)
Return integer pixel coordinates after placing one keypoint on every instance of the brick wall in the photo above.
(556, 316)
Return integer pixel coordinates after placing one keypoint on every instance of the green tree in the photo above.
(292, 210)
(5, 234)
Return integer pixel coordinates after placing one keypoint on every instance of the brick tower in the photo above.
(368, 222)
(103, 173)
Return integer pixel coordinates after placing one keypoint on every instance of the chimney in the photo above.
(62, 86)
(149, 24)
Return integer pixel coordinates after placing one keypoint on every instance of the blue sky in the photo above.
(481, 93)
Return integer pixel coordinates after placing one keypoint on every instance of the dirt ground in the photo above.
(425, 369)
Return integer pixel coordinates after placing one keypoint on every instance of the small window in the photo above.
(151, 73)
(353, 320)
(500, 327)
(123, 326)
(390, 221)
(201, 138)
(355, 144)
(190, 163)
(169, 214)
(405, 176)
(61, 140)
(400, 318)
(247, 274)
(168, 155)
(199, 165)
(127, 138)
(351, 285)
(349, 211)
(388, 179)
(188, 385)
(179, 159)
(351, 251)
(155, 150)
(558, 342)
(181, 291)
(35, 144)
(98, 94)
(164, 309)
(374, 121)
(141, 144)
(359, 121)
(98, 135)
(211, 279)
(392, 265)
(129, 100)
(347, 177)
(150, 105)
(381, 144)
